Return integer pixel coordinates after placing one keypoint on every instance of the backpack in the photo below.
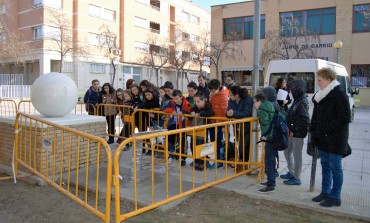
(279, 130)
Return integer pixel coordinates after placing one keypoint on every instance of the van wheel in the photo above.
(352, 114)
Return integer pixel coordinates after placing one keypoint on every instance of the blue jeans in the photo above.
(332, 174)
(220, 136)
(270, 163)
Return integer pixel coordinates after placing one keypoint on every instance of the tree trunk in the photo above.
(157, 74)
(114, 73)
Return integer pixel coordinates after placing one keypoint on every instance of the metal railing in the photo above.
(15, 91)
(75, 163)
(158, 182)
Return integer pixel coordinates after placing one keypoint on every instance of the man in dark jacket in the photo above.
(297, 119)
(329, 133)
(93, 97)
(202, 86)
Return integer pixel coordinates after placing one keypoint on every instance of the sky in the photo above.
(206, 4)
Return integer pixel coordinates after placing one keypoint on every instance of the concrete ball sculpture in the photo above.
(54, 94)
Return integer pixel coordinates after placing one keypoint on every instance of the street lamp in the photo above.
(337, 45)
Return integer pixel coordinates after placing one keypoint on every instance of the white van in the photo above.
(305, 69)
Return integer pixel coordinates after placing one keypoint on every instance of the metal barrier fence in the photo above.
(69, 160)
(8, 107)
(25, 106)
(150, 181)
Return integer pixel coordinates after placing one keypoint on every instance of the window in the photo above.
(52, 32)
(50, 3)
(93, 39)
(140, 22)
(194, 19)
(38, 32)
(136, 70)
(37, 3)
(142, 47)
(3, 9)
(194, 38)
(109, 15)
(185, 16)
(308, 77)
(161, 51)
(97, 68)
(360, 75)
(361, 18)
(320, 21)
(94, 10)
(185, 36)
(241, 28)
(185, 55)
(67, 67)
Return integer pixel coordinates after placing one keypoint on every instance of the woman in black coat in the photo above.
(329, 133)
(240, 106)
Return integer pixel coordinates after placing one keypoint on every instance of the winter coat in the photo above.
(230, 85)
(219, 102)
(205, 111)
(265, 114)
(136, 101)
(242, 109)
(92, 97)
(298, 117)
(185, 108)
(109, 99)
(330, 119)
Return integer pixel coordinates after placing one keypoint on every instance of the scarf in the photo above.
(321, 94)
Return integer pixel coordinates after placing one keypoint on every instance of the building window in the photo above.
(141, 47)
(155, 27)
(360, 75)
(194, 38)
(361, 18)
(67, 67)
(185, 15)
(319, 21)
(97, 68)
(109, 15)
(93, 39)
(50, 3)
(94, 10)
(38, 32)
(140, 22)
(185, 36)
(242, 28)
(194, 19)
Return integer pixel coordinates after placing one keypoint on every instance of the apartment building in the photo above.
(96, 39)
(331, 20)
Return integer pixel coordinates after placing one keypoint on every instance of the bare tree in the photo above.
(60, 33)
(201, 49)
(227, 49)
(108, 41)
(292, 41)
(12, 47)
(157, 55)
(179, 53)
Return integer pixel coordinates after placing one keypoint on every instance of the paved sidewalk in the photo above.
(355, 191)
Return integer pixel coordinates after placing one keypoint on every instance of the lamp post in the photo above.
(337, 45)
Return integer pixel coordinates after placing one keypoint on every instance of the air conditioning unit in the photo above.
(37, 5)
(117, 52)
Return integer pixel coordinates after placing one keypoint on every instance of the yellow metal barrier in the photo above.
(8, 108)
(75, 163)
(150, 182)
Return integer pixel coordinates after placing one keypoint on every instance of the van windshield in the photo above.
(306, 76)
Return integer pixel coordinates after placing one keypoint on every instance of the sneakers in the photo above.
(292, 181)
(287, 176)
(263, 184)
(266, 190)
(126, 148)
(213, 166)
(330, 202)
(320, 198)
(170, 160)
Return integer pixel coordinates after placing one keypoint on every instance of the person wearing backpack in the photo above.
(270, 94)
(265, 112)
(297, 119)
(93, 97)
(329, 133)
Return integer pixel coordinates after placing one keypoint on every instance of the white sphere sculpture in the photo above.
(54, 94)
